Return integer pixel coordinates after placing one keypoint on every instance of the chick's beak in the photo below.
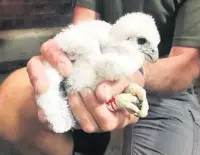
(151, 55)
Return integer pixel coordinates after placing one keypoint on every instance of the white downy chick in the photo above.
(133, 44)
(101, 52)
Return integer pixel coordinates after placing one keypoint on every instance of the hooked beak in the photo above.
(151, 55)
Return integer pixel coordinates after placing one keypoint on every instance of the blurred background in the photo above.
(20, 22)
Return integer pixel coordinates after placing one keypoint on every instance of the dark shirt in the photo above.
(178, 21)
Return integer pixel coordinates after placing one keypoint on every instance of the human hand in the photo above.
(36, 70)
(88, 107)
(91, 112)
(53, 54)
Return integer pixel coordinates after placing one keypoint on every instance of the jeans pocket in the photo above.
(195, 113)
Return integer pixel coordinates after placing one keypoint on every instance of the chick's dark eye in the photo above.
(141, 41)
(128, 38)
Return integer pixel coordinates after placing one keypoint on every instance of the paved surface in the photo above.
(115, 146)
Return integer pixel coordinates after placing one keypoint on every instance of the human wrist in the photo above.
(138, 77)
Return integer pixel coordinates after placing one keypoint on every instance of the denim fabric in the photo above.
(171, 128)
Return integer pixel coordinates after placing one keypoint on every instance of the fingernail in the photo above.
(62, 66)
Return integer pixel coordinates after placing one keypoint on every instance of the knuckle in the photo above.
(31, 65)
(31, 62)
(73, 102)
(127, 119)
(107, 126)
(87, 125)
(88, 95)
(88, 128)
(45, 46)
(132, 120)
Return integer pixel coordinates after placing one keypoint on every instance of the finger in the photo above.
(43, 120)
(106, 89)
(53, 54)
(36, 73)
(81, 114)
(106, 119)
(126, 119)
(41, 116)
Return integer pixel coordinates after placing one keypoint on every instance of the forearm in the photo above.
(172, 74)
(19, 122)
(82, 14)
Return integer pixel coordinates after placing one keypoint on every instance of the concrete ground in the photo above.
(115, 146)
